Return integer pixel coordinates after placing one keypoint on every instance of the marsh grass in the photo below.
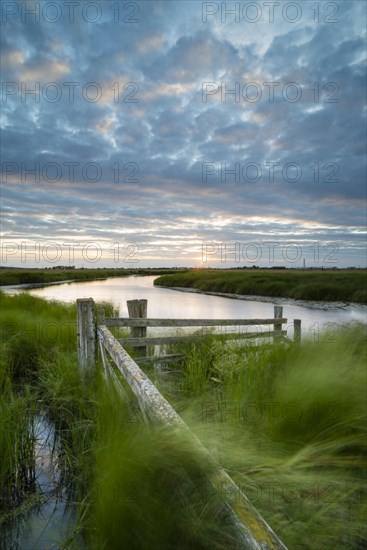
(145, 489)
(287, 424)
(17, 444)
(20, 276)
(69, 401)
(325, 285)
(37, 276)
(39, 376)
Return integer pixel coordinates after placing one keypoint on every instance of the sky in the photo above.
(183, 133)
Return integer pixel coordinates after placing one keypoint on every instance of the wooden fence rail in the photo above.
(153, 322)
(158, 340)
(138, 324)
(140, 340)
(253, 531)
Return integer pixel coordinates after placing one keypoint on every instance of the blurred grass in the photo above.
(287, 424)
(325, 285)
(147, 488)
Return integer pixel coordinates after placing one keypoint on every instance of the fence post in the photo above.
(101, 316)
(278, 314)
(297, 331)
(138, 309)
(86, 333)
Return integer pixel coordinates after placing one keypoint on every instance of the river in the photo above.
(319, 320)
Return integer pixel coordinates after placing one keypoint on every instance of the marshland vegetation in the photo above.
(288, 424)
(19, 276)
(347, 285)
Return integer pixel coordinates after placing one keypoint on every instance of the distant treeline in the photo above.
(329, 285)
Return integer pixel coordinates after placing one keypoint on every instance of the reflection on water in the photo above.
(167, 303)
(48, 523)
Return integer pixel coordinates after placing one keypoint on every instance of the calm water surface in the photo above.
(163, 302)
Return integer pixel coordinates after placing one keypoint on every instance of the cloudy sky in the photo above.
(178, 133)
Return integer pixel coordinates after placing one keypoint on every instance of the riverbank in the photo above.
(312, 304)
(341, 286)
(20, 276)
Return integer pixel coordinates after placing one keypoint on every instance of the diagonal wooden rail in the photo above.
(253, 531)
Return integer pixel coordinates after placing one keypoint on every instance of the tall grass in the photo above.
(290, 427)
(345, 285)
(17, 444)
(98, 446)
(146, 487)
(38, 376)
(287, 424)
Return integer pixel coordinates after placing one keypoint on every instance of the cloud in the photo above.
(150, 133)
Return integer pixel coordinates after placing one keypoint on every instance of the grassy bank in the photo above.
(126, 481)
(29, 276)
(340, 285)
(287, 425)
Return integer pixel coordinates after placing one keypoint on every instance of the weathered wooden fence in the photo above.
(253, 531)
(138, 323)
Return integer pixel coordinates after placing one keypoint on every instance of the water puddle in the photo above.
(47, 518)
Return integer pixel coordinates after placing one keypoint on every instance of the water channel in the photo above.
(320, 320)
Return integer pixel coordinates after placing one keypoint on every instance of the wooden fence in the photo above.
(138, 323)
(253, 531)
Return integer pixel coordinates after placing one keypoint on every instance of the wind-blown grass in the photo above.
(287, 424)
(326, 285)
(147, 487)
(96, 450)
(290, 427)
(17, 444)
